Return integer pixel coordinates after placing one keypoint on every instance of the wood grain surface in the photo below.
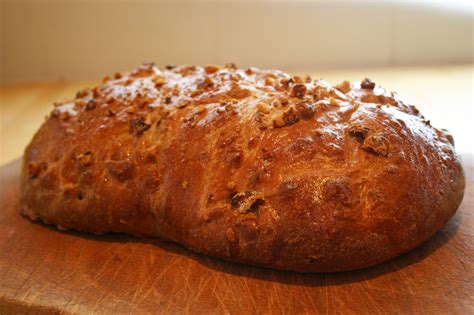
(43, 270)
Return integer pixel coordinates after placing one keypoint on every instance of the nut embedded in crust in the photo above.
(367, 84)
(247, 201)
(211, 69)
(291, 116)
(359, 132)
(344, 87)
(85, 159)
(159, 82)
(306, 110)
(91, 105)
(140, 124)
(299, 91)
(376, 144)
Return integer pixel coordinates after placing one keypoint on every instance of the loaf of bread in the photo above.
(247, 165)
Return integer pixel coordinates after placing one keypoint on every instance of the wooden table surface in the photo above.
(443, 94)
(43, 270)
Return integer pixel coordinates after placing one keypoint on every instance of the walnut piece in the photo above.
(344, 87)
(82, 93)
(140, 124)
(306, 110)
(231, 66)
(142, 72)
(283, 101)
(131, 110)
(359, 132)
(376, 144)
(85, 159)
(211, 69)
(249, 71)
(91, 105)
(278, 122)
(121, 170)
(291, 116)
(207, 83)
(285, 82)
(230, 235)
(237, 92)
(247, 201)
(367, 84)
(333, 101)
(269, 82)
(62, 115)
(298, 79)
(231, 185)
(299, 91)
(262, 108)
(185, 71)
(159, 82)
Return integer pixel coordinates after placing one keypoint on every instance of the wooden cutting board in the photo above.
(43, 270)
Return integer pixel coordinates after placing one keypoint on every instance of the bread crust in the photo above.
(246, 165)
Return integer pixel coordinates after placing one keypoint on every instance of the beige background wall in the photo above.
(54, 40)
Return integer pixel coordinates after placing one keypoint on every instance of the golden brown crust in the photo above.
(247, 165)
